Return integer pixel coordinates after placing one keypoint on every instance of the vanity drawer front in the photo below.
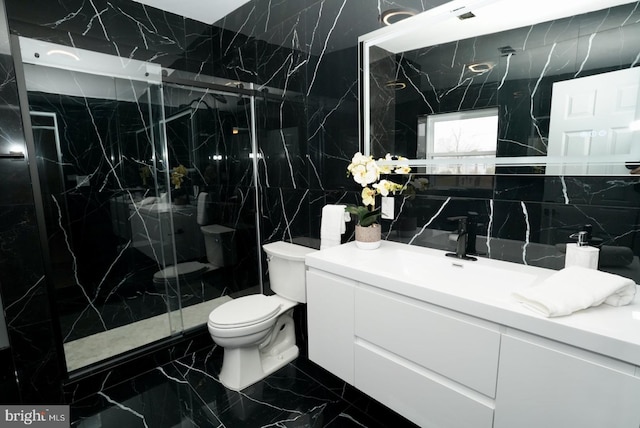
(422, 399)
(454, 345)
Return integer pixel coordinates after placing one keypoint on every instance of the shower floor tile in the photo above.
(187, 393)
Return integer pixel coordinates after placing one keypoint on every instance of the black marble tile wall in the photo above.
(127, 29)
(33, 356)
(9, 392)
(305, 55)
(312, 58)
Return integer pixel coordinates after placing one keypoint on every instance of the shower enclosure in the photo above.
(130, 168)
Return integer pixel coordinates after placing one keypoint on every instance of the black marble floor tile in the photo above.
(187, 393)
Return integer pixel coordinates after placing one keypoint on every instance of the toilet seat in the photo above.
(244, 312)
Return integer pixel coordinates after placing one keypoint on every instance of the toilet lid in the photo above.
(244, 311)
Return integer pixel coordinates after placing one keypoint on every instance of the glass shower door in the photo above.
(137, 176)
(210, 160)
(102, 163)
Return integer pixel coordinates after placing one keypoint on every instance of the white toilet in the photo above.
(257, 331)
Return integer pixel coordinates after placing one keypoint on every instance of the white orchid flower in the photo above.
(358, 159)
(385, 169)
(384, 187)
(368, 196)
(365, 174)
(402, 169)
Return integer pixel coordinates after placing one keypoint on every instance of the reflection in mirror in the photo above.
(179, 128)
(435, 63)
(458, 135)
(593, 116)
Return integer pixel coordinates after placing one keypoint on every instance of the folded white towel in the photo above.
(332, 225)
(574, 288)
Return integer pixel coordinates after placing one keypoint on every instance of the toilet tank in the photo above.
(287, 270)
(219, 245)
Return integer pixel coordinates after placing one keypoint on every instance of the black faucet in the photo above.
(472, 233)
(466, 241)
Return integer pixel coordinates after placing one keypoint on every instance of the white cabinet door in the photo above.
(545, 384)
(330, 301)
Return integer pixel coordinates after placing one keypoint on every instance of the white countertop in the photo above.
(484, 292)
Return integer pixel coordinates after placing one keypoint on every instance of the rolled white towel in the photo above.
(574, 288)
(332, 225)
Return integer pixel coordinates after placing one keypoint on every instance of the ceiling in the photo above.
(207, 11)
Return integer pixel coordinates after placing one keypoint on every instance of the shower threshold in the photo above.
(97, 347)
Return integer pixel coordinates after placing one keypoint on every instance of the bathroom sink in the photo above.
(437, 269)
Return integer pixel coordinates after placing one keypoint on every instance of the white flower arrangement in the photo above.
(366, 172)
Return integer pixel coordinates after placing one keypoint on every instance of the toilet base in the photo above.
(244, 366)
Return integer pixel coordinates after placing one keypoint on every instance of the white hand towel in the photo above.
(332, 225)
(201, 213)
(574, 288)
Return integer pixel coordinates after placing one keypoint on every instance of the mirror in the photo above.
(561, 79)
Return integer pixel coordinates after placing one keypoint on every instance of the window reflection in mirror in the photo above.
(459, 135)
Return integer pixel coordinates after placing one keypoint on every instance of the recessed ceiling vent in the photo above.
(506, 50)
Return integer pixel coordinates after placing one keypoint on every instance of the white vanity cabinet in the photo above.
(435, 367)
(446, 352)
(548, 384)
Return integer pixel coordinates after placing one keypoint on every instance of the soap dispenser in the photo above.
(581, 253)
